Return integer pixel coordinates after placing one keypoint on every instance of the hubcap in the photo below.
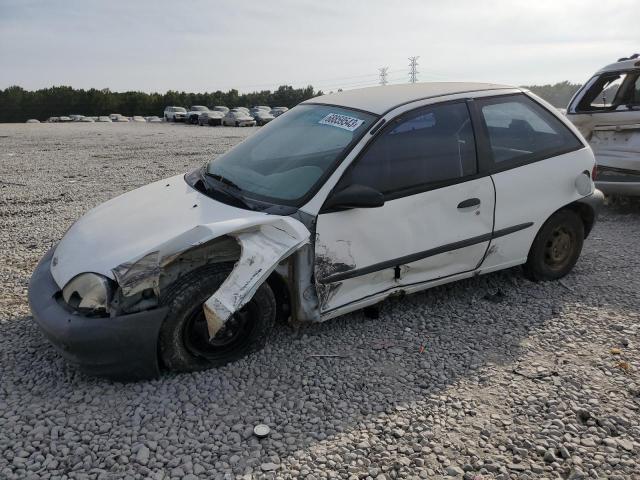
(558, 248)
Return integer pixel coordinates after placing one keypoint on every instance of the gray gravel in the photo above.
(520, 385)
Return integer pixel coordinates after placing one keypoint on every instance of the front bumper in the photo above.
(122, 347)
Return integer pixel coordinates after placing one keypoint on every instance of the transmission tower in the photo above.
(383, 75)
(413, 73)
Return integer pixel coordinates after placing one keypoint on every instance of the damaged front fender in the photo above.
(262, 248)
(263, 243)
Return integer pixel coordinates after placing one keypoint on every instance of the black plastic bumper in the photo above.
(122, 348)
(594, 203)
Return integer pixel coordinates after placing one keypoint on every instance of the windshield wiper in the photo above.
(224, 191)
(224, 180)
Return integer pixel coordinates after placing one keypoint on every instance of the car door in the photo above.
(436, 221)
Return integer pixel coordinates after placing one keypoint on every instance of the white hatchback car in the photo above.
(606, 110)
(343, 201)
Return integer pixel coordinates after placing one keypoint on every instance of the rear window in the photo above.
(521, 130)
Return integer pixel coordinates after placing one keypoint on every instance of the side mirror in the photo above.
(355, 196)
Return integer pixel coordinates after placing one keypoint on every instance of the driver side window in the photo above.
(423, 148)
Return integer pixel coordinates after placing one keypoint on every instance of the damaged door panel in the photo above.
(409, 240)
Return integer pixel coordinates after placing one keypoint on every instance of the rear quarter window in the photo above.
(520, 130)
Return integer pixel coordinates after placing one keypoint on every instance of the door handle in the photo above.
(469, 202)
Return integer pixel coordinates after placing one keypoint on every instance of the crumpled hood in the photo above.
(168, 214)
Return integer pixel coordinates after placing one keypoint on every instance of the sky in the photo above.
(208, 45)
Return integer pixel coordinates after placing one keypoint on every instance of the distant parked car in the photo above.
(210, 118)
(175, 114)
(194, 113)
(52, 119)
(240, 109)
(238, 119)
(76, 118)
(137, 118)
(114, 116)
(606, 110)
(220, 108)
(104, 119)
(259, 108)
(277, 111)
(64, 119)
(33, 120)
(121, 119)
(154, 119)
(262, 117)
(87, 120)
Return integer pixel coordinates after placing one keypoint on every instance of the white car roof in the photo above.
(623, 65)
(383, 98)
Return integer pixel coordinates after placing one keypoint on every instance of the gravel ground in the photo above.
(492, 377)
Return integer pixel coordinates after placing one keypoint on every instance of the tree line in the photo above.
(558, 94)
(19, 105)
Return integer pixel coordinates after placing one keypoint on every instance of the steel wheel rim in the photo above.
(233, 335)
(559, 247)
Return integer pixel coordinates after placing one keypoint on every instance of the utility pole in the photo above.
(383, 75)
(413, 73)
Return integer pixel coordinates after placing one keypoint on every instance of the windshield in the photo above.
(285, 159)
(178, 109)
(198, 108)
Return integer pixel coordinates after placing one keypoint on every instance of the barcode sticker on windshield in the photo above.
(341, 121)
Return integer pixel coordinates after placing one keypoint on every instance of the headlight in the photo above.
(88, 291)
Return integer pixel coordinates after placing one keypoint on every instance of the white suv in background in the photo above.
(175, 114)
(606, 110)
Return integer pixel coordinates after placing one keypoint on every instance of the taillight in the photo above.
(594, 172)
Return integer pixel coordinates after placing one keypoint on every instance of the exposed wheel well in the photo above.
(585, 212)
(281, 292)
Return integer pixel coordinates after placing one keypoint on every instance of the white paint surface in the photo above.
(166, 216)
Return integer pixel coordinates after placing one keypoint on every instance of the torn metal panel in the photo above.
(304, 296)
(327, 263)
(134, 277)
(263, 247)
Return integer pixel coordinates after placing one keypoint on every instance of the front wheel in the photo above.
(184, 340)
(556, 248)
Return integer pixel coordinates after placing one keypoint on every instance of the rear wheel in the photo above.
(556, 248)
(184, 339)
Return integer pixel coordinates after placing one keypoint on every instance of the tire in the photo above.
(237, 124)
(556, 248)
(183, 343)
